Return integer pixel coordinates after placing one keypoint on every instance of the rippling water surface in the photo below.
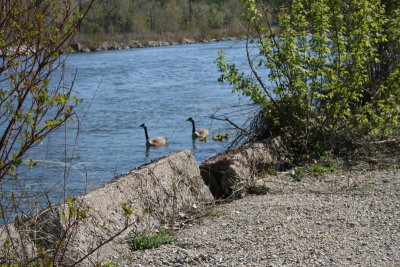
(160, 86)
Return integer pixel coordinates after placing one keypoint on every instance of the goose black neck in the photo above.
(194, 127)
(145, 132)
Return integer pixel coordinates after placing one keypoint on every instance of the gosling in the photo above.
(158, 141)
(200, 133)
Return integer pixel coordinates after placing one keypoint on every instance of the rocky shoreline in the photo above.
(79, 47)
(344, 218)
(151, 196)
(114, 45)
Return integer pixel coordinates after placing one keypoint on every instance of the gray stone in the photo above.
(16, 243)
(78, 47)
(223, 172)
(187, 41)
(135, 44)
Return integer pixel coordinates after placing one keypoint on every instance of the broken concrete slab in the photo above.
(155, 193)
(222, 172)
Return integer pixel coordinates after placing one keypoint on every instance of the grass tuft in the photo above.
(139, 241)
(299, 174)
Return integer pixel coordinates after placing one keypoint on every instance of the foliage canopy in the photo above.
(330, 75)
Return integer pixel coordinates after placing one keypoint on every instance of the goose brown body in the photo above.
(157, 141)
(199, 133)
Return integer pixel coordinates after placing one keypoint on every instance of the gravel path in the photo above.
(346, 218)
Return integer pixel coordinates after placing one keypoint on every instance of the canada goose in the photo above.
(158, 141)
(201, 133)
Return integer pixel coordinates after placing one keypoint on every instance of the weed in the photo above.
(139, 241)
(329, 164)
(282, 207)
(360, 187)
(366, 187)
(317, 169)
(351, 188)
(299, 175)
(213, 213)
(372, 167)
(268, 171)
(382, 166)
(107, 264)
(325, 164)
(210, 213)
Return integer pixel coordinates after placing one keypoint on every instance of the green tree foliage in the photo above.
(33, 104)
(33, 35)
(329, 75)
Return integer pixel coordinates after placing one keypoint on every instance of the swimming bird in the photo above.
(158, 141)
(200, 133)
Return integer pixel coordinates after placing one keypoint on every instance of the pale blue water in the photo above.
(161, 87)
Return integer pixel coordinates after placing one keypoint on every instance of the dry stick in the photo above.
(278, 47)
(67, 237)
(64, 236)
(230, 122)
(14, 205)
(243, 131)
(7, 228)
(67, 170)
(217, 109)
(68, 234)
(254, 71)
(79, 124)
(237, 20)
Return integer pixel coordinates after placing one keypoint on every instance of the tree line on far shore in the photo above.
(163, 19)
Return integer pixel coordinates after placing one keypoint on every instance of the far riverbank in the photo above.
(79, 47)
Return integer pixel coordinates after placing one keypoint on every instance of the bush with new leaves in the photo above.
(328, 76)
(33, 104)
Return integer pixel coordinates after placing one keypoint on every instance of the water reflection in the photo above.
(194, 143)
(150, 148)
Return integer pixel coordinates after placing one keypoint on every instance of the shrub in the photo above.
(329, 76)
(34, 103)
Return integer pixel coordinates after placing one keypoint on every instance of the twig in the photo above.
(225, 118)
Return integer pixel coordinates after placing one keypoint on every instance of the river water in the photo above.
(159, 86)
